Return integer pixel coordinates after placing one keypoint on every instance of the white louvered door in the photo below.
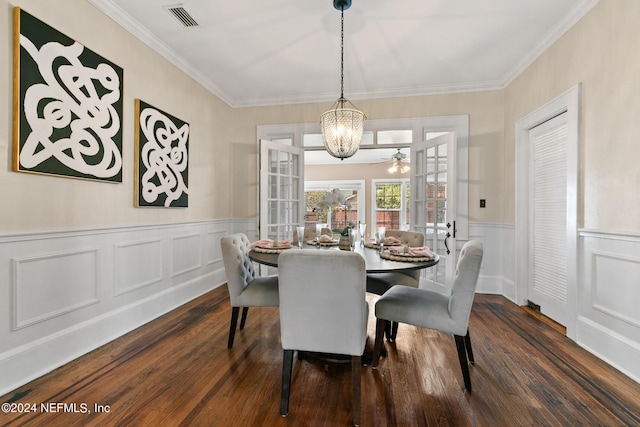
(548, 229)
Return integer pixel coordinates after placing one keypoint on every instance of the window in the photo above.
(336, 203)
(391, 205)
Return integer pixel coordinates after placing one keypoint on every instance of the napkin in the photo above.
(268, 243)
(264, 243)
(421, 252)
(283, 243)
(392, 241)
(324, 238)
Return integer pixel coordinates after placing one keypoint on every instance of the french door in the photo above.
(433, 204)
(281, 190)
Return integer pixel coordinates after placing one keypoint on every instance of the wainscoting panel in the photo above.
(609, 291)
(66, 293)
(137, 264)
(69, 292)
(50, 285)
(492, 279)
(616, 298)
(185, 254)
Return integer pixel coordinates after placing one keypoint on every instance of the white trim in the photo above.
(568, 102)
(459, 124)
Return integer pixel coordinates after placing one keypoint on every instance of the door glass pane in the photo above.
(273, 161)
(431, 159)
(284, 161)
(273, 212)
(442, 157)
(273, 187)
(285, 187)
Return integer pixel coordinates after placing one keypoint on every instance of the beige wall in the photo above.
(601, 52)
(32, 202)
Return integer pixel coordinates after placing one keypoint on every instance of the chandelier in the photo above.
(341, 125)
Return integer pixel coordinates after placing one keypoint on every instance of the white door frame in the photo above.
(568, 102)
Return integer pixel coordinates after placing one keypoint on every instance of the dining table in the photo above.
(374, 261)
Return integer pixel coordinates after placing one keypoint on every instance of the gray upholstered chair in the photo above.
(245, 288)
(379, 283)
(322, 309)
(427, 309)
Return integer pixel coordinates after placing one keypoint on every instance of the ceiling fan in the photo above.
(399, 163)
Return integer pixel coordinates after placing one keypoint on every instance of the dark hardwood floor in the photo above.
(177, 371)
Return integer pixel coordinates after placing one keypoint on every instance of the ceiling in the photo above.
(257, 52)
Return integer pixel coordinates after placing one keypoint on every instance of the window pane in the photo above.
(395, 136)
(273, 187)
(284, 141)
(312, 140)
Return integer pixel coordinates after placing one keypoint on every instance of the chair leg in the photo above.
(232, 328)
(287, 367)
(462, 357)
(245, 311)
(394, 331)
(381, 326)
(467, 345)
(356, 375)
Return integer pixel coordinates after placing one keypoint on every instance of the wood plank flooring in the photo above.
(177, 371)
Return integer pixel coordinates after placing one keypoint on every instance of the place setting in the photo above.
(406, 253)
(269, 246)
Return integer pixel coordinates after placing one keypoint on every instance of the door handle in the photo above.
(445, 242)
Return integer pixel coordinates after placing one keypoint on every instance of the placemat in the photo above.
(314, 243)
(404, 258)
(271, 250)
(374, 245)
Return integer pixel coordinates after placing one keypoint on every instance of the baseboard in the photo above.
(610, 346)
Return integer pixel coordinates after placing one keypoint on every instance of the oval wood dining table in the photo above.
(373, 261)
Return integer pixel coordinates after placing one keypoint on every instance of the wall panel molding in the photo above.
(186, 253)
(71, 291)
(137, 265)
(50, 285)
(52, 333)
(609, 291)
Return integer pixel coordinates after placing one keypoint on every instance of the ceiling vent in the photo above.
(181, 14)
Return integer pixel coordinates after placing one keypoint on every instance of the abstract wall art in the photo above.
(67, 105)
(161, 158)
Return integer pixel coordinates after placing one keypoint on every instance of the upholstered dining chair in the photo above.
(379, 283)
(427, 309)
(245, 288)
(323, 310)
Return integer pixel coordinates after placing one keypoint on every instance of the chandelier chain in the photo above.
(342, 53)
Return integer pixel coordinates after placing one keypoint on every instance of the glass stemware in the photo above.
(362, 229)
(300, 231)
